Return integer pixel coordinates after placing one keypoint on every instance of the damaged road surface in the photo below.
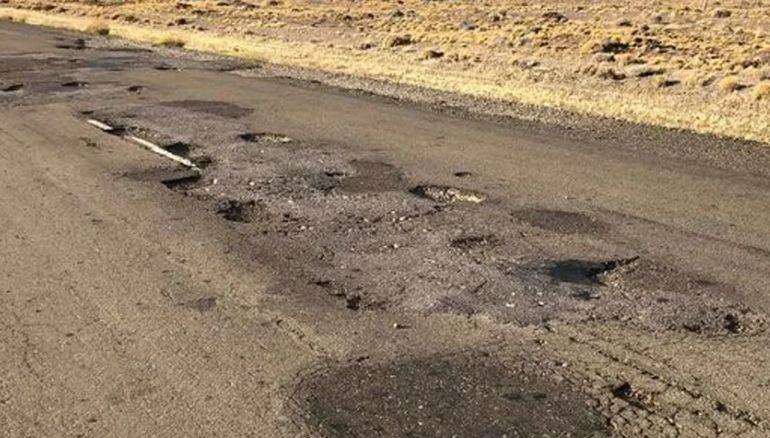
(330, 264)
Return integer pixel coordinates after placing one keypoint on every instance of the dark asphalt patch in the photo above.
(372, 177)
(587, 271)
(562, 222)
(461, 396)
(216, 108)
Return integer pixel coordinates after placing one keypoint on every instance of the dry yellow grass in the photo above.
(597, 59)
(730, 84)
(97, 28)
(761, 91)
(171, 41)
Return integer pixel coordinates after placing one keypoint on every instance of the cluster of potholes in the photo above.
(368, 232)
(375, 240)
(42, 74)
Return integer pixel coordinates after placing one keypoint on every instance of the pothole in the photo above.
(179, 148)
(468, 243)
(372, 176)
(78, 44)
(202, 161)
(562, 222)
(264, 137)
(657, 296)
(588, 271)
(217, 108)
(74, 84)
(470, 395)
(448, 194)
(11, 88)
(242, 211)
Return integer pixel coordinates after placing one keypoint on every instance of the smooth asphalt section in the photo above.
(322, 276)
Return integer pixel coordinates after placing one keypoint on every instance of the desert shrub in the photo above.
(172, 41)
(761, 91)
(730, 84)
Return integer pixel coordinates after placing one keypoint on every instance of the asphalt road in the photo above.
(350, 265)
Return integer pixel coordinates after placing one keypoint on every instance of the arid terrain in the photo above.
(194, 245)
(693, 64)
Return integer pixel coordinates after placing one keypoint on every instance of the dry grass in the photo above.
(97, 28)
(174, 41)
(761, 91)
(595, 58)
(730, 84)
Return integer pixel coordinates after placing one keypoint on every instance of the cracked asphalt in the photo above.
(353, 265)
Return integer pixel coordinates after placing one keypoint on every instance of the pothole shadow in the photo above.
(179, 148)
(469, 395)
(173, 178)
(11, 88)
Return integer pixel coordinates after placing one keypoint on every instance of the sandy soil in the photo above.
(694, 64)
